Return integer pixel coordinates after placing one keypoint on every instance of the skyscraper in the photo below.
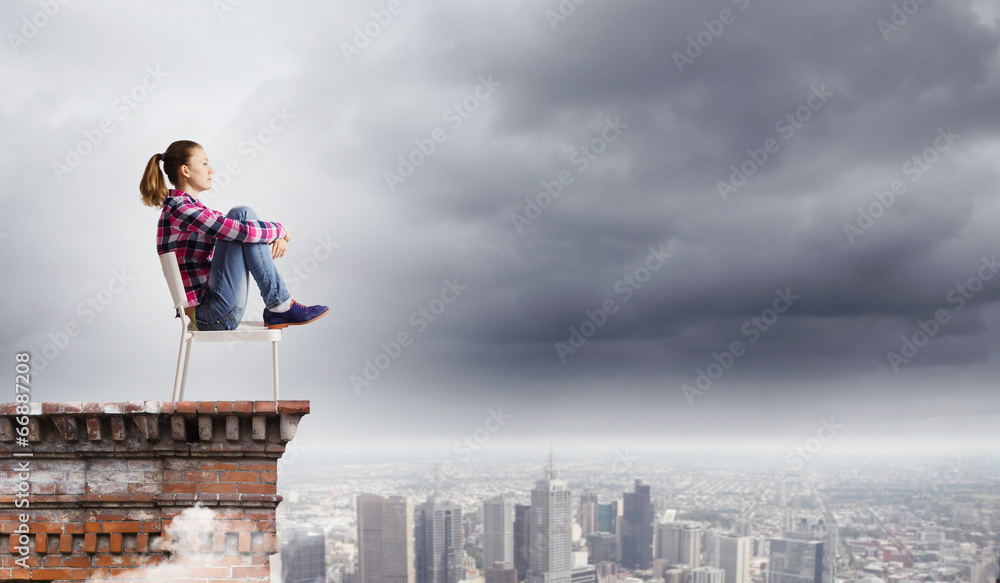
(551, 531)
(588, 512)
(498, 531)
(303, 558)
(637, 528)
(385, 539)
(679, 543)
(795, 561)
(606, 516)
(522, 540)
(734, 558)
(707, 575)
(438, 542)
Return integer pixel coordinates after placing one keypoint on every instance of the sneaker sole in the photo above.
(279, 326)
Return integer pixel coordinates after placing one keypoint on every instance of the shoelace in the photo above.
(295, 303)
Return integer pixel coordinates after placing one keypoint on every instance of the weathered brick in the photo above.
(239, 476)
(90, 543)
(42, 543)
(65, 543)
(115, 544)
(141, 542)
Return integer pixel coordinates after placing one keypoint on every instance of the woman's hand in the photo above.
(278, 247)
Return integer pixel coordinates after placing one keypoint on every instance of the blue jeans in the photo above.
(226, 296)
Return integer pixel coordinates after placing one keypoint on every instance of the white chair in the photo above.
(245, 332)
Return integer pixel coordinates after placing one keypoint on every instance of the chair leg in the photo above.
(187, 360)
(274, 352)
(180, 365)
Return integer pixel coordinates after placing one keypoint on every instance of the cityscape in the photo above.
(625, 518)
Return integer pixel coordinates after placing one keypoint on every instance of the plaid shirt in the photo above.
(189, 228)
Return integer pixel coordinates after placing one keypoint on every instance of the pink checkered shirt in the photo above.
(189, 228)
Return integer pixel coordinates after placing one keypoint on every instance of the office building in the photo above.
(438, 542)
(385, 539)
(588, 513)
(795, 561)
(637, 528)
(551, 531)
(522, 540)
(498, 531)
(707, 575)
(303, 558)
(734, 558)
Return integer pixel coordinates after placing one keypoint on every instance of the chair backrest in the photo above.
(172, 273)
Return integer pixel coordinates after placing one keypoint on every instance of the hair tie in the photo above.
(159, 157)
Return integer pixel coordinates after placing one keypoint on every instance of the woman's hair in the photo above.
(152, 186)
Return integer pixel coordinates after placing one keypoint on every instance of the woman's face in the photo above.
(197, 173)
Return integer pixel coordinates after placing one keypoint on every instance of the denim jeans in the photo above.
(232, 264)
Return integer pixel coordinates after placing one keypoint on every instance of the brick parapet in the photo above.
(107, 479)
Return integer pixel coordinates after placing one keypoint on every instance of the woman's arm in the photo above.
(198, 217)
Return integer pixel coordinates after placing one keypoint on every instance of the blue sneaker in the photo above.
(297, 315)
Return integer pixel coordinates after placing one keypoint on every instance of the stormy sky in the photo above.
(678, 224)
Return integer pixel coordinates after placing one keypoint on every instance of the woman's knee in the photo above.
(241, 212)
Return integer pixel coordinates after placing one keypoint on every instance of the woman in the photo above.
(215, 252)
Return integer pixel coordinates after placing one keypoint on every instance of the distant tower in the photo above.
(438, 542)
(734, 558)
(606, 517)
(637, 528)
(522, 540)
(707, 575)
(690, 551)
(498, 531)
(303, 558)
(385, 539)
(795, 561)
(551, 530)
(588, 512)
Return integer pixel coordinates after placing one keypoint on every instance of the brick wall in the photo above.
(108, 481)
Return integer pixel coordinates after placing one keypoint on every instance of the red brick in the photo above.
(93, 526)
(41, 543)
(208, 571)
(83, 574)
(224, 406)
(141, 543)
(52, 561)
(90, 543)
(116, 543)
(258, 489)
(185, 406)
(243, 406)
(47, 527)
(65, 543)
(167, 407)
(244, 542)
(121, 527)
(269, 477)
(288, 407)
(264, 407)
(256, 571)
(77, 561)
(217, 488)
(201, 476)
(270, 542)
(179, 487)
(205, 406)
(239, 476)
(50, 574)
(112, 561)
(74, 528)
(219, 465)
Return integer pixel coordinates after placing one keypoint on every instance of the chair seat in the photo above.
(246, 331)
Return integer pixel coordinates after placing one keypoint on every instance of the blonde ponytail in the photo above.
(153, 187)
